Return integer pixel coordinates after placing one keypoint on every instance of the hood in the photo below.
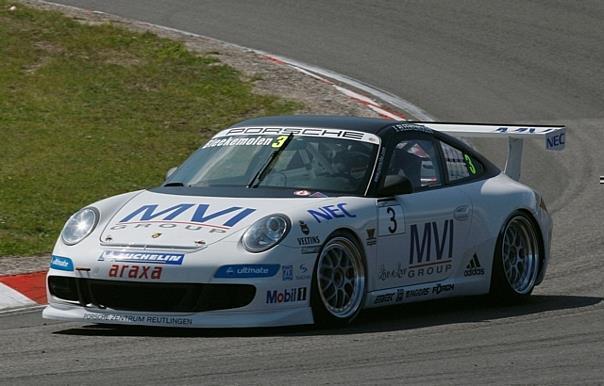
(156, 220)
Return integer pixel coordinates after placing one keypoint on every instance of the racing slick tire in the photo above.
(517, 259)
(339, 283)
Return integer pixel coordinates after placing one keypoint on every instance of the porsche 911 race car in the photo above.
(305, 219)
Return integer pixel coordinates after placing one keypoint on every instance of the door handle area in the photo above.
(462, 213)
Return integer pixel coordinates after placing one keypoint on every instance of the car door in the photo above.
(421, 236)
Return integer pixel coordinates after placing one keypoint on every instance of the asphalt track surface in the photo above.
(513, 61)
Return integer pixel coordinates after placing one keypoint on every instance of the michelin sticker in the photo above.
(142, 257)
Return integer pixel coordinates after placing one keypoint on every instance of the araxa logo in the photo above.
(135, 271)
(291, 295)
(473, 268)
(194, 213)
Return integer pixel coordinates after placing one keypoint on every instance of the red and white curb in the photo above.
(22, 291)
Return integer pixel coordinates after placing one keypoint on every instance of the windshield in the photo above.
(300, 162)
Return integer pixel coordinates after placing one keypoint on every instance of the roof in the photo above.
(368, 125)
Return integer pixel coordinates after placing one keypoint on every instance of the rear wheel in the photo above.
(517, 258)
(339, 281)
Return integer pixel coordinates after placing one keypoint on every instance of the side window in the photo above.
(416, 159)
(459, 164)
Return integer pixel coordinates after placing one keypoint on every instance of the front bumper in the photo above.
(189, 294)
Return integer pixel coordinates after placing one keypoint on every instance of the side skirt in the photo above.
(420, 292)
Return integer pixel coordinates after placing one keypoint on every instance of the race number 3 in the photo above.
(391, 220)
(279, 141)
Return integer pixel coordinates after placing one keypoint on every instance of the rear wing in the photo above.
(554, 137)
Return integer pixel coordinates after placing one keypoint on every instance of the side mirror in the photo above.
(395, 185)
(170, 172)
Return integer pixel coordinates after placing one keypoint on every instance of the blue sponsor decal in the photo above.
(240, 271)
(330, 212)
(195, 213)
(303, 269)
(288, 272)
(61, 263)
(143, 257)
(555, 142)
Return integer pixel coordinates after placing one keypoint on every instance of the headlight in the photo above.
(265, 233)
(79, 226)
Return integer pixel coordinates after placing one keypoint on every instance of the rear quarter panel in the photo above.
(493, 201)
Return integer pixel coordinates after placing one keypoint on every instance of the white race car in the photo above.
(304, 219)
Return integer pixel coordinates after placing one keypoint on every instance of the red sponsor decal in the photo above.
(135, 271)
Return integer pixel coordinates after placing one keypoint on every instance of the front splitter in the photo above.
(210, 319)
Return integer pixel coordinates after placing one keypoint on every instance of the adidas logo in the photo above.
(474, 263)
(473, 268)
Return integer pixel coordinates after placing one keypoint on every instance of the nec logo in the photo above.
(330, 212)
(199, 214)
(555, 142)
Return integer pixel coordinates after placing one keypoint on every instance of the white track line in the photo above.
(18, 310)
(10, 298)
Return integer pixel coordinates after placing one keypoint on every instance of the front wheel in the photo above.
(339, 281)
(517, 259)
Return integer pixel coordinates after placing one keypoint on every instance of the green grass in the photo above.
(91, 111)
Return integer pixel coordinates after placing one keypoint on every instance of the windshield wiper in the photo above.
(259, 176)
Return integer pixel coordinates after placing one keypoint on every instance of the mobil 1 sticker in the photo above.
(391, 220)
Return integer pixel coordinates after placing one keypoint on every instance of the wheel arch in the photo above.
(351, 232)
(355, 238)
(542, 249)
(319, 315)
(526, 212)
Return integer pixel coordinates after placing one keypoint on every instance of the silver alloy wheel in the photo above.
(520, 254)
(341, 277)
